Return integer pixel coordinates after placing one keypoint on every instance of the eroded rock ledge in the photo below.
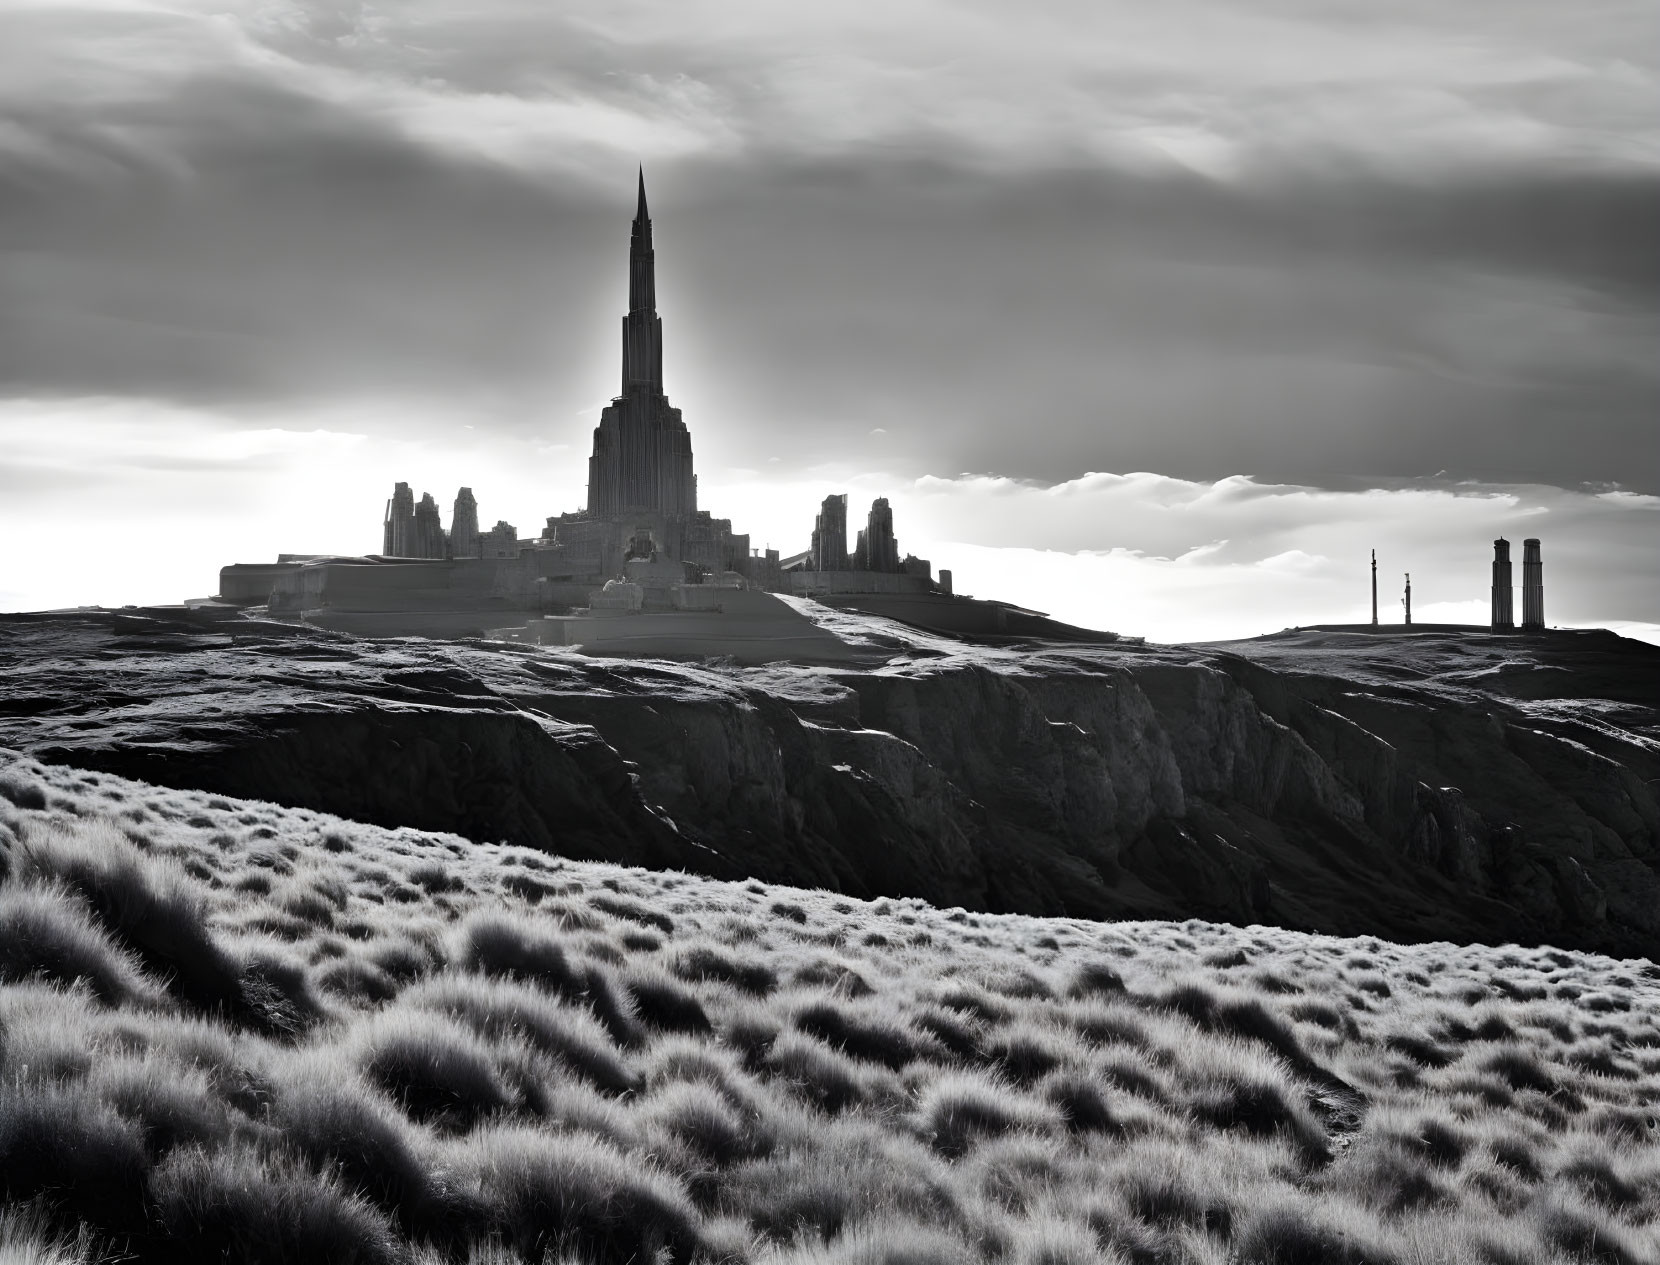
(1438, 786)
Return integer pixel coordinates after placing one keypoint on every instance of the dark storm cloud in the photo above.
(250, 245)
(1428, 252)
(1130, 321)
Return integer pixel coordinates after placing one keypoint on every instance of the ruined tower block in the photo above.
(464, 526)
(1504, 589)
(1533, 587)
(398, 536)
(501, 541)
(882, 549)
(429, 530)
(830, 534)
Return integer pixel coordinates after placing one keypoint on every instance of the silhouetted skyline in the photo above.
(1396, 271)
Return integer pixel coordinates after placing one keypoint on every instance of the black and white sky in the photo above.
(1157, 316)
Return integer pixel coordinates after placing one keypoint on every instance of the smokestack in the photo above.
(1504, 589)
(1533, 587)
(1407, 600)
(1374, 588)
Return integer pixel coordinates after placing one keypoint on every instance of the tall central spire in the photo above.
(642, 268)
(642, 459)
(642, 367)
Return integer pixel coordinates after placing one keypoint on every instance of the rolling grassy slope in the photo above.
(231, 1031)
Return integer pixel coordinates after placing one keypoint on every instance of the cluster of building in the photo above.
(642, 515)
(412, 529)
(876, 550)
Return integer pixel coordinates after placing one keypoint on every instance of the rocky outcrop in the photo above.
(1420, 787)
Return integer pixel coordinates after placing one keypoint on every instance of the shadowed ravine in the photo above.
(1437, 786)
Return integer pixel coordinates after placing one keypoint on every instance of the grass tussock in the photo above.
(149, 905)
(437, 1071)
(27, 1237)
(960, 1109)
(244, 1205)
(547, 1193)
(663, 1003)
(234, 1032)
(46, 933)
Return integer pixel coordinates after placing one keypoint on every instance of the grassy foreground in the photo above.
(231, 1031)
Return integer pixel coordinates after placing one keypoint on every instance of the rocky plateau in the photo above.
(1415, 786)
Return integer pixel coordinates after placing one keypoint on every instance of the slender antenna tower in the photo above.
(1407, 600)
(1374, 588)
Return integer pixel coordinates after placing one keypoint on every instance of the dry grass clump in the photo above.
(1238, 1087)
(27, 1237)
(703, 961)
(515, 947)
(149, 906)
(957, 1110)
(547, 1192)
(57, 1139)
(234, 1032)
(850, 1172)
(501, 1011)
(47, 933)
(861, 1033)
(437, 1071)
(249, 1205)
(663, 1003)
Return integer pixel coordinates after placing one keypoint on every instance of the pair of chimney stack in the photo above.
(1533, 587)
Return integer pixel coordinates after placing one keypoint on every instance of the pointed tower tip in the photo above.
(640, 211)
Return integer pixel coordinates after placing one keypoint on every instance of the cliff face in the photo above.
(1426, 787)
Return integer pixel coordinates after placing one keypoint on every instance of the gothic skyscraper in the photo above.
(642, 459)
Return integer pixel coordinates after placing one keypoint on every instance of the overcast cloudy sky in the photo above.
(1158, 316)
